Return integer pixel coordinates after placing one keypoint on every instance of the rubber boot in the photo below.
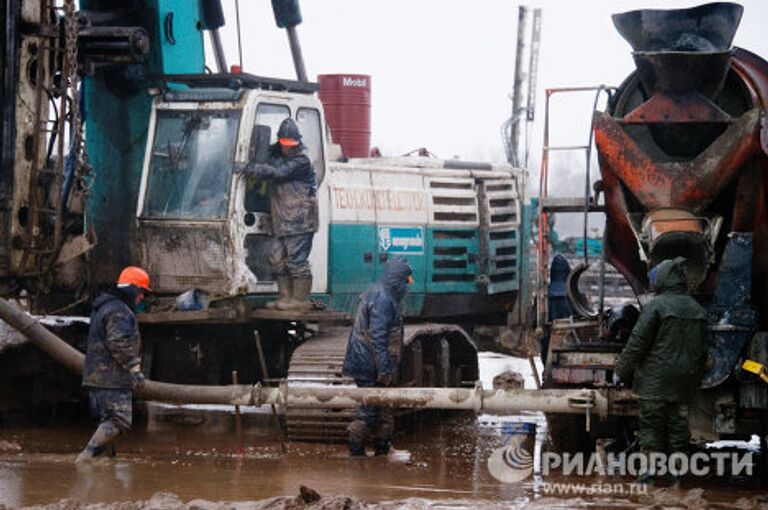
(381, 447)
(646, 477)
(100, 442)
(300, 296)
(356, 449)
(284, 291)
(357, 430)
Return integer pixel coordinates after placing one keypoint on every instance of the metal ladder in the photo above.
(585, 204)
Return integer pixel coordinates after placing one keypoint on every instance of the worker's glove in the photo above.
(617, 380)
(384, 379)
(258, 171)
(137, 379)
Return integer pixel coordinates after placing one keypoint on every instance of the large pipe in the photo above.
(73, 359)
(471, 399)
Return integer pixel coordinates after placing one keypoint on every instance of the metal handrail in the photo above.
(543, 224)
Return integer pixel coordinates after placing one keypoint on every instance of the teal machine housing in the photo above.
(450, 276)
(117, 108)
(457, 270)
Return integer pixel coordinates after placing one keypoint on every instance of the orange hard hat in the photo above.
(133, 275)
(288, 142)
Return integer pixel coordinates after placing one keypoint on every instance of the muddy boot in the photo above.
(356, 449)
(645, 478)
(284, 291)
(383, 432)
(648, 475)
(300, 297)
(357, 431)
(381, 447)
(100, 442)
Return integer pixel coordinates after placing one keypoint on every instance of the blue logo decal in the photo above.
(406, 240)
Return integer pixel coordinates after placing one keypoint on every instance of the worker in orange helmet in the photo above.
(112, 368)
(294, 214)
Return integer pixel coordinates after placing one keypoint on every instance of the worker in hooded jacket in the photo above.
(373, 354)
(112, 367)
(294, 213)
(557, 300)
(665, 357)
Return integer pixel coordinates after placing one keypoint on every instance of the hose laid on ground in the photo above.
(73, 359)
(581, 401)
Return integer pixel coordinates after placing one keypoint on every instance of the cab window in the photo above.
(272, 115)
(308, 120)
(192, 155)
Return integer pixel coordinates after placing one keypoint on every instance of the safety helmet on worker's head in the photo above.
(288, 135)
(133, 275)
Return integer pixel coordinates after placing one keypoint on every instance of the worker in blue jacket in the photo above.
(112, 366)
(373, 354)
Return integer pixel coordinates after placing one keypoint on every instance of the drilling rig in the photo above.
(132, 163)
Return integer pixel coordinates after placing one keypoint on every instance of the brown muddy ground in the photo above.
(193, 462)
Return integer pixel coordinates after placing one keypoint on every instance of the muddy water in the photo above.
(440, 464)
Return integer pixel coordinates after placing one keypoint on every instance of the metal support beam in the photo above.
(517, 90)
(218, 51)
(298, 58)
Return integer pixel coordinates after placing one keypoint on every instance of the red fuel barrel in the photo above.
(346, 100)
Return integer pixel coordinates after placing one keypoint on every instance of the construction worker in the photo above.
(665, 358)
(373, 354)
(112, 368)
(557, 300)
(294, 212)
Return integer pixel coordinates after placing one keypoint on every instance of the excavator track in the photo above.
(434, 355)
(318, 362)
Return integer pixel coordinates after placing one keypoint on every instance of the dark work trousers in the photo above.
(371, 422)
(288, 255)
(664, 426)
(112, 404)
(558, 309)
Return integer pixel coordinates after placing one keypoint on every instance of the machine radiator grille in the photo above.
(500, 216)
(452, 260)
(453, 201)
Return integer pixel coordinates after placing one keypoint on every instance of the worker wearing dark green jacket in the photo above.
(666, 358)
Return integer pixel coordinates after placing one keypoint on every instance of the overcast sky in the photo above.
(442, 70)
